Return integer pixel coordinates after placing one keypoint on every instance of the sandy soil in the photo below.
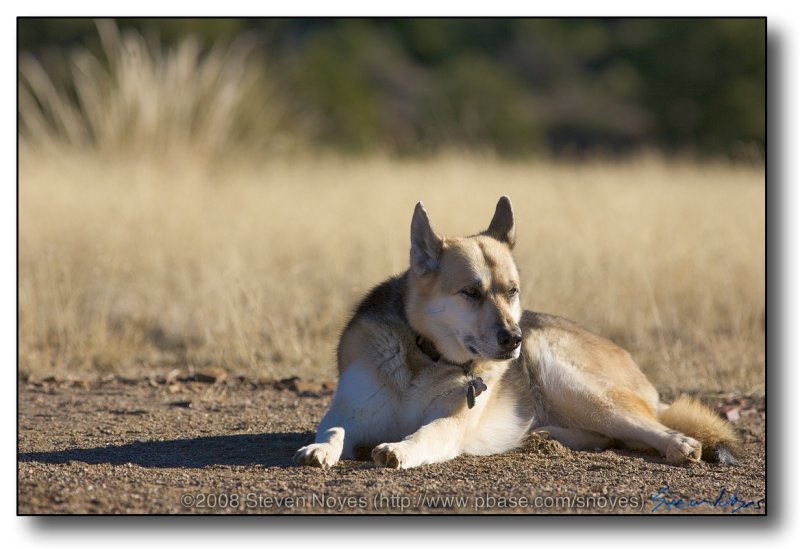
(175, 444)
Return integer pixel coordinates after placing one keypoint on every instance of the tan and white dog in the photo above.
(442, 361)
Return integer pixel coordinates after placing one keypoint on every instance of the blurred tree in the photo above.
(333, 82)
(516, 86)
(480, 105)
(703, 81)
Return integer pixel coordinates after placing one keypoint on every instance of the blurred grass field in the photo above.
(137, 267)
(150, 238)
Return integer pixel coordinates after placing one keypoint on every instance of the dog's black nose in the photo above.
(509, 339)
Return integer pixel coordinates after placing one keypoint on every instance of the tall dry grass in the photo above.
(135, 267)
(135, 260)
(135, 97)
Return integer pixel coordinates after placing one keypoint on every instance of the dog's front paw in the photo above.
(391, 454)
(681, 449)
(317, 455)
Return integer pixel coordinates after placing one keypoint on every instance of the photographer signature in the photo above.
(665, 502)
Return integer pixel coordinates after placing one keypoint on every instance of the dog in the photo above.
(442, 361)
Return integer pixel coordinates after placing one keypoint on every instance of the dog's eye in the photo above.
(512, 292)
(471, 293)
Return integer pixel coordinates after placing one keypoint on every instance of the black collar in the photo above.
(475, 385)
(426, 346)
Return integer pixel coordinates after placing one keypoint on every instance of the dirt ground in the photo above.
(182, 444)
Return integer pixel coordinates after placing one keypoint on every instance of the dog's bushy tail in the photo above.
(721, 443)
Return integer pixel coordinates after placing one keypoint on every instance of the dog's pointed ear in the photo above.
(502, 225)
(426, 245)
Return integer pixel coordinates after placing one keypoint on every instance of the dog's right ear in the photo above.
(426, 245)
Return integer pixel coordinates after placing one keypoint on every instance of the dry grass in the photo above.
(140, 266)
(137, 98)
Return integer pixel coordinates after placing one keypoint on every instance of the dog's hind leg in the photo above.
(576, 439)
(624, 415)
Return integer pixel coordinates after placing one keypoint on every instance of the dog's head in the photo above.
(464, 291)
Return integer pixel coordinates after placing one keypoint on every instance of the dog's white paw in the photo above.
(317, 455)
(681, 449)
(392, 454)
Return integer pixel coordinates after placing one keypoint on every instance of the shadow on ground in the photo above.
(268, 450)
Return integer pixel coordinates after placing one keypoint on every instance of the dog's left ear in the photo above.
(502, 225)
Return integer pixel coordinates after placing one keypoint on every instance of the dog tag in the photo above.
(470, 395)
(474, 388)
(479, 385)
